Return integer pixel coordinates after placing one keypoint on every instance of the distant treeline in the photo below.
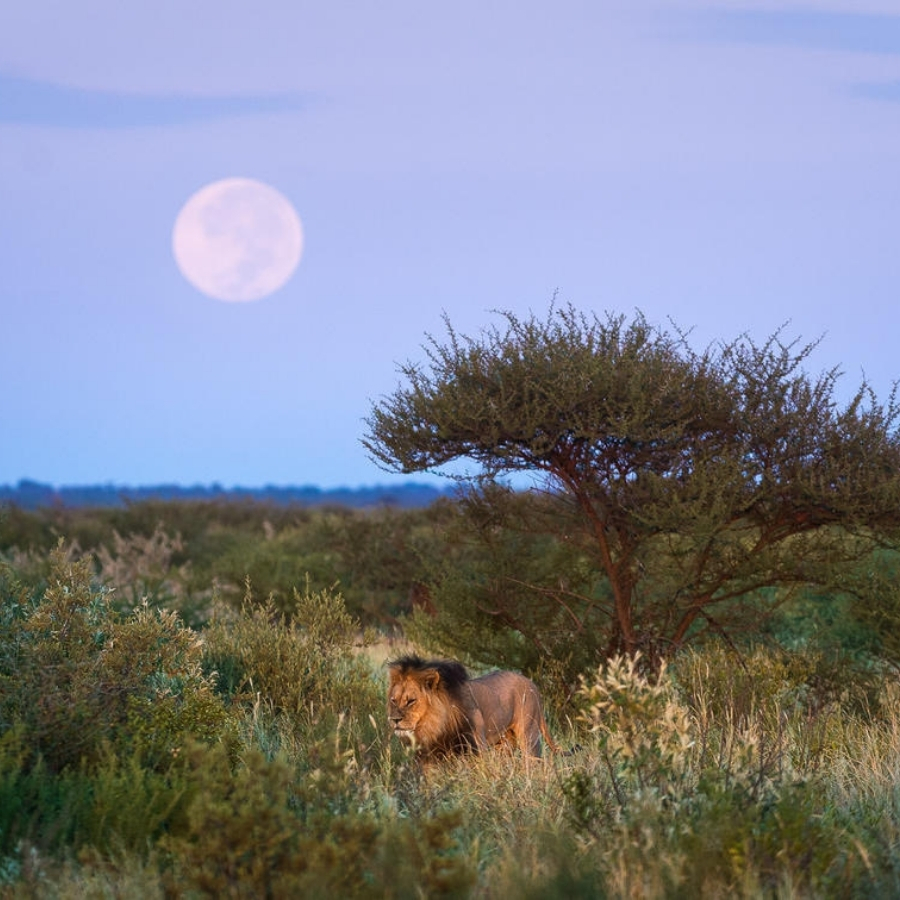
(33, 495)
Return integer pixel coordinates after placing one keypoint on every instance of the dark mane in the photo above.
(453, 674)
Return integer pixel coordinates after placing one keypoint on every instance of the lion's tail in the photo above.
(545, 731)
(554, 747)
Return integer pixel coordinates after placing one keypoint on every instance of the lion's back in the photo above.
(508, 686)
(509, 708)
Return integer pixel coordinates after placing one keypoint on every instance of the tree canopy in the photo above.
(691, 479)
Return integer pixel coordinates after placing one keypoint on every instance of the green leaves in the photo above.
(75, 675)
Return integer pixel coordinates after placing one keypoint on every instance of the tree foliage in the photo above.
(692, 480)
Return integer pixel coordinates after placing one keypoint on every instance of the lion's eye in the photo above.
(411, 701)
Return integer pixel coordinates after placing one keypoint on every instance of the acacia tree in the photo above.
(693, 480)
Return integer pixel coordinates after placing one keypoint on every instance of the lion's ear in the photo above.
(431, 679)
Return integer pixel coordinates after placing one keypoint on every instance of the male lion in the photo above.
(434, 706)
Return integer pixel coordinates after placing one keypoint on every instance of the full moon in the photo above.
(237, 240)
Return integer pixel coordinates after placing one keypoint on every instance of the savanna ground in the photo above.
(192, 705)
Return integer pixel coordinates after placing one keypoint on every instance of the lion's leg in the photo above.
(532, 725)
(508, 741)
(526, 729)
(479, 730)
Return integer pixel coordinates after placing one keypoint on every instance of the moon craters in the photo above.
(237, 240)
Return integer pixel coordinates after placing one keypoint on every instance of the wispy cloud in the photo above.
(26, 101)
(888, 90)
(850, 32)
(844, 32)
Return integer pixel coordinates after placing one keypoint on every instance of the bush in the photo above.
(142, 758)
(266, 830)
(115, 805)
(706, 789)
(76, 677)
(299, 665)
(177, 553)
(148, 569)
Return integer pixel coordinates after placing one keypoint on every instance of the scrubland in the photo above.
(192, 705)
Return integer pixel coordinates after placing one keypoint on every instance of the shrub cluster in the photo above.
(181, 553)
(711, 782)
(246, 755)
(76, 677)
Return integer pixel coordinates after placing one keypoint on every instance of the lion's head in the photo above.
(424, 707)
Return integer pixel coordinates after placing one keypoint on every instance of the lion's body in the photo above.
(436, 707)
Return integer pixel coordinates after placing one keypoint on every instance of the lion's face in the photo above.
(409, 705)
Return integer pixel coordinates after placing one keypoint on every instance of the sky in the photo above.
(728, 166)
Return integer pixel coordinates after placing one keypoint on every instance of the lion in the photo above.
(437, 708)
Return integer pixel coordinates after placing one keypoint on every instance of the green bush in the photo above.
(266, 830)
(296, 672)
(76, 677)
(289, 660)
(115, 805)
(707, 784)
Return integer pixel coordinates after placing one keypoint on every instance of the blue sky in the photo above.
(729, 166)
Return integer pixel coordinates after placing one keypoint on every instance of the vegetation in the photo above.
(181, 554)
(247, 755)
(695, 489)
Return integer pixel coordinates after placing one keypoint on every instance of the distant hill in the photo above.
(32, 494)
